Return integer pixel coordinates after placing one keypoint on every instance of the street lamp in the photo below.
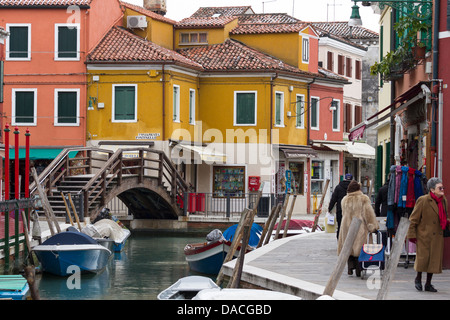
(419, 9)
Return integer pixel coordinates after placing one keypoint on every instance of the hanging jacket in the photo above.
(398, 179)
(418, 187)
(391, 188)
(403, 187)
(410, 198)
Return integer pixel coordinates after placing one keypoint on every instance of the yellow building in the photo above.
(218, 106)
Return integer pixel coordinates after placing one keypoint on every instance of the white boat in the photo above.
(108, 233)
(243, 294)
(186, 288)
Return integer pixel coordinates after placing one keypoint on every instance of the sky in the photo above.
(321, 10)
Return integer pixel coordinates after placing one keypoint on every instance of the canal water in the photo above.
(148, 264)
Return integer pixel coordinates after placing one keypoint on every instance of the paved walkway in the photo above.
(302, 264)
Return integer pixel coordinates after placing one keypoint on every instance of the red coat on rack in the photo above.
(410, 196)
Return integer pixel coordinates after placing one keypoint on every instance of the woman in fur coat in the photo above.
(428, 220)
(356, 205)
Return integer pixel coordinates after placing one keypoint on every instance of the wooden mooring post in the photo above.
(319, 211)
(343, 257)
(391, 267)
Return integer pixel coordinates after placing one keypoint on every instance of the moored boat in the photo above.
(186, 288)
(243, 294)
(14, 287)
(62, 251)
(208, 257)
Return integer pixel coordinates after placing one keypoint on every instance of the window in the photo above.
(24, 106)
(124, 108)
(330, 62)
(314, 110)
(305, 50)
(317, 177)
(279, 109)
(297, 177)
(229, 181)
(358, 115)
(194, 38)
(348, 67)
(192, 106)
(67, 106)
(18, 44)
(341, 64)
(299, 123)
(67, 42)
(176, 103)
(358, 69)
(245, 108)
(335, 110)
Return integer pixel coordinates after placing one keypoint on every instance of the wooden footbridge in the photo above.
(147, 183)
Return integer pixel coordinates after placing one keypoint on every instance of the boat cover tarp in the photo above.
(255, 234)
(69, 237)
(109, 229)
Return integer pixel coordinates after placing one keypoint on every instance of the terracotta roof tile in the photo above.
(146, 12)
(121, 46)
(267, 18)
(268, 28)
(233, 55)
(201, 22)
(43, 3)
(341, 29)
(206, 12)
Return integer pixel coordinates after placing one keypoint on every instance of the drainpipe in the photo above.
(271, 104)
(439, 109)
(308, 141)
(163, 104)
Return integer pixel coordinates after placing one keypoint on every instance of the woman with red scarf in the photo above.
(428, 220)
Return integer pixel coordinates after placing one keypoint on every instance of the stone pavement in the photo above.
(302, 264)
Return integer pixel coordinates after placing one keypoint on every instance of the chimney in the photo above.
(157, 6)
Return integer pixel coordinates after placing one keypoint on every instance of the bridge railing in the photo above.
(62, 166)
(145, 162)
(229, 205)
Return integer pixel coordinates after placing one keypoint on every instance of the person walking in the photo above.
(429, 219)
(339, 192)
(356, 205)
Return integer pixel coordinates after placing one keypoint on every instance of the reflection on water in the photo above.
(147, 265)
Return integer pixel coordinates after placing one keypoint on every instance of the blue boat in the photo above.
(62, 252)
(14, 287)
(207, 257)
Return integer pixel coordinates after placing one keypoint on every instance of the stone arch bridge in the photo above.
(147, 183)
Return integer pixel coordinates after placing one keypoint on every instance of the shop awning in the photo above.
(293, 152)
(419, 91)
(205, 153)
(38, 154)
(356, 149)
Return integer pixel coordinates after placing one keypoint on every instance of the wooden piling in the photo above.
(288, 219)
(319, 211)
(74, 211)
(391, 267)
(67, 209)
(343, 257)
(272, 224)
(282, 214)
(266, 226)
(237, 271)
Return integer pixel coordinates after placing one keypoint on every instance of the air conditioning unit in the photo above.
(136, 22)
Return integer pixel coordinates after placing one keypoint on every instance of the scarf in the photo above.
(442, 215)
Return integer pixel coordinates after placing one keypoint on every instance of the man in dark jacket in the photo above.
(381, 201)
(339, 192)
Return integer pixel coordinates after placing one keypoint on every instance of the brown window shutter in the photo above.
(330, 61)
(348, 117)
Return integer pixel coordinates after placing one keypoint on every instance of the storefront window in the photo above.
(316, 177)
(229, 180)
(297, 177)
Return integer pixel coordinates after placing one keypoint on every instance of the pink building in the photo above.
(45, 78)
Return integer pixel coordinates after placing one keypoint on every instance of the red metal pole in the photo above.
(27, 164)
(7, 130)
(16, 163)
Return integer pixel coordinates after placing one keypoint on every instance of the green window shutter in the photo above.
(18, 42)
(314, 112)
(299, 116)
(278, 101)
(67, 107)
(67, 42)
(124, 103)
(24, 107)
(245, 108)
(176, 93)
(379, 169)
